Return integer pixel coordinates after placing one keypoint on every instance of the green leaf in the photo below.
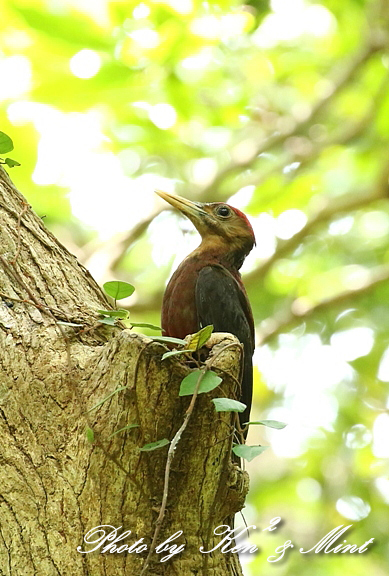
(108, 321)
(248, 452)
(228, 405)
(200, 338)
(209, 381)
(63, 323)
(129, 427)
(269, 423)
(6, 144)
(63, 26)
(121, 313)
(118, 290)
(90, 435)
(143, 325)
(169, 340)
(107, 398)
(155, 445)
(11, 163)
(174, 353)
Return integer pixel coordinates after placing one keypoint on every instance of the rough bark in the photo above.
(55, 486)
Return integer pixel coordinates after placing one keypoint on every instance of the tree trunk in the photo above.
(55, 485)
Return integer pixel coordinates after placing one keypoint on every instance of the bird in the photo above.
(207, 288)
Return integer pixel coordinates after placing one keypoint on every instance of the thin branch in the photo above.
(301, 309)
(341, 137)
(132, 236)
(173, 445)
(170, 456)
(330, 210)
(342, 79)
(40, 307)
(20, 216)
(333, 207)
(10, 267)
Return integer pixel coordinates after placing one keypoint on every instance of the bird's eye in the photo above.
(223, 211)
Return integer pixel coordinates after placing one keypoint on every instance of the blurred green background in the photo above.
(282, 109)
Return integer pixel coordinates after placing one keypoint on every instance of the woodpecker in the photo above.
(207, 287)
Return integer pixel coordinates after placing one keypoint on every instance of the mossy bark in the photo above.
(55, 486)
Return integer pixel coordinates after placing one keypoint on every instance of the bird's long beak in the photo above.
(193, 210)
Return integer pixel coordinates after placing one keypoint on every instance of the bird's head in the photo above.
(222, 227)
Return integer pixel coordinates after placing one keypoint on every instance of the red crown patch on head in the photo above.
(245, 219)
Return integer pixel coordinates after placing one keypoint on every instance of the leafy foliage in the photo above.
(118, 290)
(6, 144)
(90, 435)
(11, 163)
(169, 340)
(145, 325)
(101, 402)
(174, 353)
(228, 405)
(155, 445)
(121, 313)
(128, 427)
(269, 423)
(209, 382)
(248, 452)
(108, 320)
(198, 340)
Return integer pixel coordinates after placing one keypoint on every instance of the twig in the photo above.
(341, 137)
(170, 457)
(110, 457)
(11, 268)
(278, 138)
(209, 363)
(236, 380)
(272, 141)
(332, 208)
(24, 301)
(300, 310)
(347, 204)
(18, 227)
(13, 272)
(223, 439)
(133, 235)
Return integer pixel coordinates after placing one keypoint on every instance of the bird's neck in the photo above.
(230, 255)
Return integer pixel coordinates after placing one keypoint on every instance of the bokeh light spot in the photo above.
(85, 64)
(358, 437)
(163, 116)
(289, 223)
(308, 490)
(353, 343)
(16, 76)
(353, 507)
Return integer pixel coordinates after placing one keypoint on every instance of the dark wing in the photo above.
(222, 302)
